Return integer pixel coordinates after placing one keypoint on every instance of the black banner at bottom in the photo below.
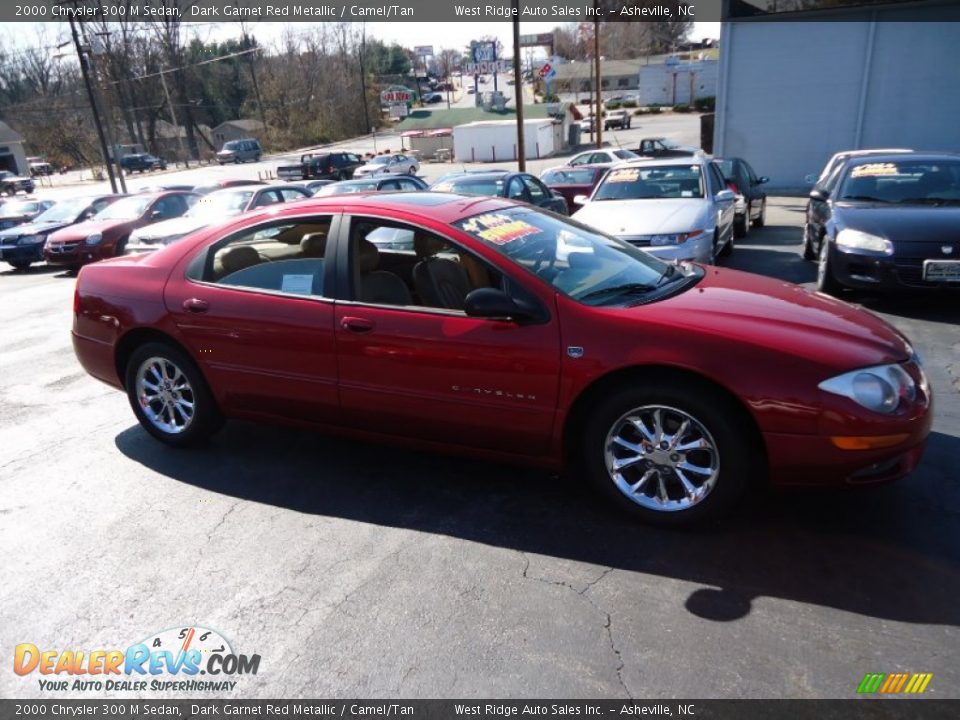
(867, 709)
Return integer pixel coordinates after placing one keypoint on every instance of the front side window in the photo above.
(561, 176)
(590, 267)
(651, 182)
(286, 258)
(396, 264)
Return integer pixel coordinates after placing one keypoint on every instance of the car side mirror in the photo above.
(494, 304)
(762, 180)
(156, 215)
(725, 196)
(580, 199)
(819, 194)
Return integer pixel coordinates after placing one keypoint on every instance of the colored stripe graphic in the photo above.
(894, 683)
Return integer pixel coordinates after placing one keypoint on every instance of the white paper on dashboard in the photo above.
(297, 284)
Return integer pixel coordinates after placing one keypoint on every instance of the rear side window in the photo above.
(288, 259)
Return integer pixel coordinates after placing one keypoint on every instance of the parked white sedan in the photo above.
(676, 209)
(388, 165)
(604, 156)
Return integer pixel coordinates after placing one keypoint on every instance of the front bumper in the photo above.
(72, 253)
(22, 253)
(904, 269)
(699, 249)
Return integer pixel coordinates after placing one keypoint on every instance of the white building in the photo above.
(677, 82)
(496, 140)
(793, 93)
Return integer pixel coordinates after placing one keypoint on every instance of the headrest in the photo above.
(427, 245)
(314, 244)
(367, 256)
(238, 258)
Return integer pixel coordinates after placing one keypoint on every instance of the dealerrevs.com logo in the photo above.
(188, 659)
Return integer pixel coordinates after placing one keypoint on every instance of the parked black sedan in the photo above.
(751, 204)
(501, 183)
(23, 244)
(372, 184)
(887, 221)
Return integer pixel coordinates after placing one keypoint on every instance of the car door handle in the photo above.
(357, 325)
(196, 305)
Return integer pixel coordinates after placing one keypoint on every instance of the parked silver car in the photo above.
(676, 209)
(388, 165)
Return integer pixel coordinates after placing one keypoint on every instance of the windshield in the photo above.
(626, 154)
(232, 145)
(380, 160)
(651, 182)
(590, 267)
(220, 203)
(344, 188)
(904, 182)
(17, 208)
(568, 177)
(488, 186)
(64, 211)
(126, 209)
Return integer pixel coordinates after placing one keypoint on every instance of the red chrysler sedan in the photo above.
(454, 324)
(106, 233)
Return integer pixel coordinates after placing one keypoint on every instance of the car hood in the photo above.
(902, 223)
(32, 229)
(82, 230)
(369, 170)
(644, 217)
(173, 228)
(779, 315)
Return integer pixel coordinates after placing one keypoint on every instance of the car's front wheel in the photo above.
(669, 453)
(169, 395)
(761, 219)
(20, 264)
(826, 282)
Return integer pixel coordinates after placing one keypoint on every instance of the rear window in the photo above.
(927, 182)
(636, 183)
(471, 186)
(567, 177)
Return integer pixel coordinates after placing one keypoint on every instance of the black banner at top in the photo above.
(558, 11)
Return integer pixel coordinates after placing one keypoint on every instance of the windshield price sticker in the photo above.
(628, 175)
(499, 229)
(874, 170)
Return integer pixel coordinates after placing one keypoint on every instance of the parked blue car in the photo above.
(22, 245)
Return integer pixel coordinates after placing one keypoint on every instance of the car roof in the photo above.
(897, 156)
(443, 207)
(686, 160)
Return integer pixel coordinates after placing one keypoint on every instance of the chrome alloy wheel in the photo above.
(662, 458)
(165, 395)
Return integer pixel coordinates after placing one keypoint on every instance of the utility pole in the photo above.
(173, 116)
(107, 129)
(596, 59)
(518, 90)
(85, 71)
(363, 79)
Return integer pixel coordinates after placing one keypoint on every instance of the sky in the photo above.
(408, 34)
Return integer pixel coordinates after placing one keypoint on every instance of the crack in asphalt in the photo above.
(608, 623)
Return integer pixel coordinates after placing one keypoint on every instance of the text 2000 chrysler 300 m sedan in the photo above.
(670, 387)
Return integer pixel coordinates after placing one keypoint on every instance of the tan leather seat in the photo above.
(377, 286)
(235, 259)
(314, 245)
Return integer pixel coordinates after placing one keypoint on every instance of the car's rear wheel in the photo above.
(668, 452)
(20, 264)
(826, 282)
(761, 219)
(169, 395)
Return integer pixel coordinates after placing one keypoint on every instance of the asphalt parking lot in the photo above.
(357, 570)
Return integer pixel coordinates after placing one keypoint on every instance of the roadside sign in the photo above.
(398, 112)
(395, 95)
(487, 68)
(422, 51)
(547, 72)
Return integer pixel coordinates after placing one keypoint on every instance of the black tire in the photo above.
(121, 246)
(727, 250)
(207, 418)
(728, 431)
(826, 282)
(762, 217)
(11, 191)
(809, 253)
(20, 264)
(741, 224)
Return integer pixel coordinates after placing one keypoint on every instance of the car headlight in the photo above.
(673, 238)
(94, 238)
(851, 240)
(881, 389)
(30, 239)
